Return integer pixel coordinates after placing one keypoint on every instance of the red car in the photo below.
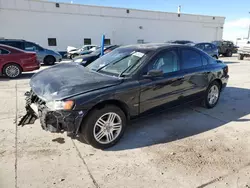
(14, 61)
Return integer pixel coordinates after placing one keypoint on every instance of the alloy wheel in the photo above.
(213, 95)
(107, 128)
(12, 71)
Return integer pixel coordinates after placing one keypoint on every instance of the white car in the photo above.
(73, 52)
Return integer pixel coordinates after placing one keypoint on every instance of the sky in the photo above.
(236, 11)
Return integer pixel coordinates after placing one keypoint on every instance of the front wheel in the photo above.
(49, 60)
(212, 95)
(104, 128)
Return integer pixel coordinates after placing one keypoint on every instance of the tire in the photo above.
(73, 56)
(229, 53)
(215, 57)
(207, 103)
(12, 70)
(90, 131)
(240, 56)
(49, 60)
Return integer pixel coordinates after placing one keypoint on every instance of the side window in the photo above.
(28, 46)
(201, 46)
(3, 52)
(15, 44)
(190, 59)
(167, 61)
(208, 47)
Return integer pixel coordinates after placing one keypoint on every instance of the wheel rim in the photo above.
(12, 71)
(107, 128)
(213, 95)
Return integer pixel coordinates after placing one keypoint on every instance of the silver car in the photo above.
(46, 56)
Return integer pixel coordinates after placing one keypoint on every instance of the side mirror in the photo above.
(154, 73)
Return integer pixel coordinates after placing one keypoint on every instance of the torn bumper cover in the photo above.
(53, 121)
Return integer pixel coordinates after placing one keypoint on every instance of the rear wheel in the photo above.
(240, 56)
(104, 128)
(49, 60)
(212, 95)
(12, 70)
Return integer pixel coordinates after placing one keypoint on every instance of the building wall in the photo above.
(70, 23)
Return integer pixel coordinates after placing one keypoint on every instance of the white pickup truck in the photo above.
(244, 51)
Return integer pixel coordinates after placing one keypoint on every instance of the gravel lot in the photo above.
(183, 147)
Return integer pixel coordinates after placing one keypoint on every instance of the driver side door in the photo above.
(165, 89)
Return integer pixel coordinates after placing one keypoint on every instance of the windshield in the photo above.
(120, 61)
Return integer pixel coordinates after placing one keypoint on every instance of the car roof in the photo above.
(21, 40)
(152, 46)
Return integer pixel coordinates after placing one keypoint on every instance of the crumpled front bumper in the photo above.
(53, 121)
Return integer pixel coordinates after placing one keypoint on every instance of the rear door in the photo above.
(196, 77)
(162, 90)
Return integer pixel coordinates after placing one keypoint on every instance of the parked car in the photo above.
(46, 56)
(226, 48)
(97, 101)
(180, 42)
(244, 51)
(89, 58)
(209, 48)
(14, 61)
(86, 49)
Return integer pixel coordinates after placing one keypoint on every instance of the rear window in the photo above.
(191, 59)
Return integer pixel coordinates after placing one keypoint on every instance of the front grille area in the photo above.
(33, 98)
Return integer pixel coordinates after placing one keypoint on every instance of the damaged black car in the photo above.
(96, 102)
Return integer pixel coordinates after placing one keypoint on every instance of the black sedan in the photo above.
(89, 58)
(97, 101)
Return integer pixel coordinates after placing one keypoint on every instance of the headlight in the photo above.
(60, 105)
(78, 60)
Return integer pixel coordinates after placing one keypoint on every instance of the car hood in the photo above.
(69, 79)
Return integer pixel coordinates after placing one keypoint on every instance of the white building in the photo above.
(65, 24)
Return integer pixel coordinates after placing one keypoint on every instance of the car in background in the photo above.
(14, 61)
(180, 42)
(226, 48)
(244, 50)
(86, 49)
(46, 56)
(89, 58)
(209, 48)
(95, 103)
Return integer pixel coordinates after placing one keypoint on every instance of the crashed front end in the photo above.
(54, 116)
